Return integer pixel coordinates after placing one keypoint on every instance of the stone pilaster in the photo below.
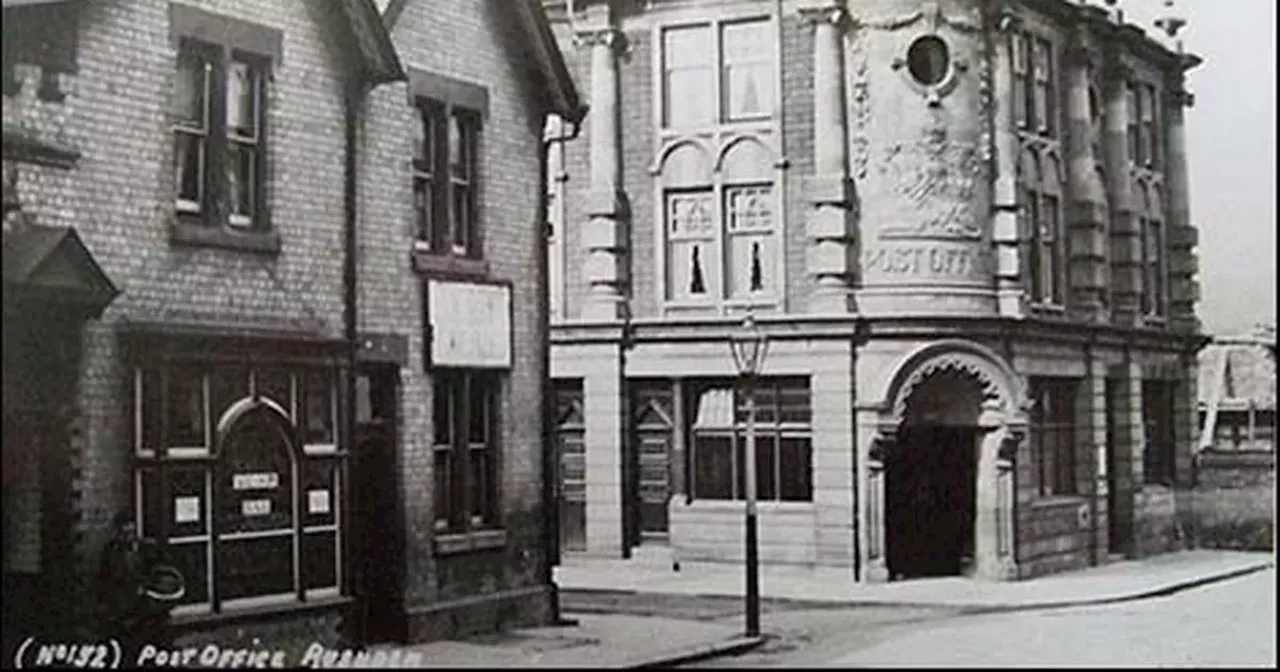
(1010, 294)
(993, 516)
(1126, 240)
(604, 237)
(1087, 209)
(831, 222)
(1184, 290)
(874, 561)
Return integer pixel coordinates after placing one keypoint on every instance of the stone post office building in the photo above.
(273, 289)
(963, 225)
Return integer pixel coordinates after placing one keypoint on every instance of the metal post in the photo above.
(753, 563)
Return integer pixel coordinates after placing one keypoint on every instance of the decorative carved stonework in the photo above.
(935, 180)
(860, 106)
(1010, 442)
(962, 363)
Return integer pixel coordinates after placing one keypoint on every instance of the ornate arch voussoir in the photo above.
(962, 363)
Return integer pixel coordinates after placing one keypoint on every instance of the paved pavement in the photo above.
(580, 578)
(598, 640)
(1226, 624)
(625, 641)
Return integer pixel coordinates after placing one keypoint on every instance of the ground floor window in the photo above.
(238, 468)
(465, 429)
(1053, 435)
(784, 460)
(1158, 414)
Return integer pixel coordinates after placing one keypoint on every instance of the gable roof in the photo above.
(378, 54)
(53, 258)
(549, 61)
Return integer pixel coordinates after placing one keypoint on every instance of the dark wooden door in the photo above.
(930, 496)
(377, 520)
(572, 481)
(652, 435)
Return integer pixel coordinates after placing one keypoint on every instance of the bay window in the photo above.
(237, 467)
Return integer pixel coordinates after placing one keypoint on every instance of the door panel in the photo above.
(651, 458)
(377, 512)
(572, 481)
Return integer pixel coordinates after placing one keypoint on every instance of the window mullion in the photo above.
(443, 205)
(215, 175)
(462, 451)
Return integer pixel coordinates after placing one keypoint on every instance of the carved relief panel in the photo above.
(919, 105)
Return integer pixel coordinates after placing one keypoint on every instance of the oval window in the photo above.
(927, 59)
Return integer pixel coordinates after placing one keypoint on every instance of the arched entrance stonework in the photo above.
(1001, 426)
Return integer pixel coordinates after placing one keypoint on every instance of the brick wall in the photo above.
(477, 42)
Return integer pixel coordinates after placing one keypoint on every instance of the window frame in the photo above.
(214, 211)
(1053, 437)
(440, 104)
(771, 435)
(461, 517)
(209, 460)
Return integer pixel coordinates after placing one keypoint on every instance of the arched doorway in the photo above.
(930, 480)
(938, 470)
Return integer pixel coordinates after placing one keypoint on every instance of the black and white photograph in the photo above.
(639, 333)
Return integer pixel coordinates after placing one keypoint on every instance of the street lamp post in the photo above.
(748, 345)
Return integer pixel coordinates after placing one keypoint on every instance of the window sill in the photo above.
(448, 264)
(1058, 501)
(264, 612)
(737, 506)
(468, 542)
(186, 233)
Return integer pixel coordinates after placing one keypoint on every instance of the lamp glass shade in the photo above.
(747, 344)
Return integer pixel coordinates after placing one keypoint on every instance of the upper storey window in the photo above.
(448, 142)
(722, 231)
(444, 179)
(1144, 125)
(734, 58)
(1035, 76)
(218, 140)
(222, 69)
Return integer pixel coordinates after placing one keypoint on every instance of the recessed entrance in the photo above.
(930, 492)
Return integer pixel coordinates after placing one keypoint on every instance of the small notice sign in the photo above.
(255, 507)
(267, 480)
(318, 501)
(470, 324)
(186, 509)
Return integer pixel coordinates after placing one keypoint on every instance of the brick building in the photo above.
(316, 381)
(963, 226)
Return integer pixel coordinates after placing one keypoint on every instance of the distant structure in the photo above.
(1238, 393)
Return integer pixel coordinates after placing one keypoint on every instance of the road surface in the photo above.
(1228, 623)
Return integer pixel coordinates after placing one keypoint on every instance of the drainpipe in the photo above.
(550, 452)
(356, 92)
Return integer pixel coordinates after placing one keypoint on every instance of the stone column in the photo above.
(604, 237)
(1184, 291)
(1010, 293)
(875, 566)
(993, 516)
(1087, 209)
(1126, 241)
(832, 215)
